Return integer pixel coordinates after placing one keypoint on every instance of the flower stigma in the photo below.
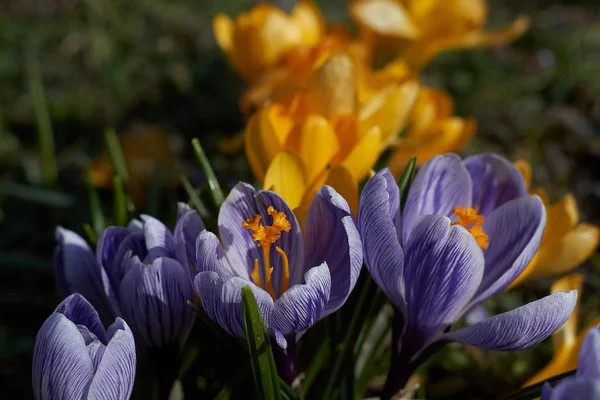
(470, 219)
(266, 236)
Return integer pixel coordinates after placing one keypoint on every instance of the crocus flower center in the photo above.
(469, 218)
(266, 236)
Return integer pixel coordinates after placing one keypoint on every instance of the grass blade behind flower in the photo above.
(213, 183)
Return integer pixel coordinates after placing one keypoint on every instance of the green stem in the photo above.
(213, 183)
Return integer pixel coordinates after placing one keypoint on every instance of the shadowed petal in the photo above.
(495, 181)
(519, 328)
(572, 388)
(443, 267)
(222, 300)
(301, 306)
(154, 301)
(108, 244)
(588, 365)
(330, 236)
(78, 271)
(514, 230)
(210, 256)
(188, 227)
(62, 367)
(78, 310)
(159, 240)
(441, 184)
(116, 373)
(383, 254)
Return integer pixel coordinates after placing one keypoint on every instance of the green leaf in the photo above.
(264, 370)
(213, 183)
(116, 155)
(321, 356)
(119, 201)
(194, 198)
(40, 195)
(406, 179)
(534, 391)
(42, 119)
(217, 330)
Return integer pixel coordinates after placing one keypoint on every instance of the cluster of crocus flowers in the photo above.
(467, 230)
(566, 242)
(322, 135)
(586, 382)
(75, 357)
(419, 30)
(567, 339)
(297, 275)
(140, 273)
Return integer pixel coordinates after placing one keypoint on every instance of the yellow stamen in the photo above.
(470, 219)
(285, 273)
(266, 236)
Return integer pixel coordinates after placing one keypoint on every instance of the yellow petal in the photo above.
(389, 110)
(315, 142)
(308, 18)
(287, 177)
(525, 169)
(571, 250)
(277, 35)
(332, 87)
(339, 178)
(565, 337)
(365, 154)
(263, 139)
(223, 28)
(385, 17)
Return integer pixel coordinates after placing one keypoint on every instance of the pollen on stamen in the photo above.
(269, 234)
(470, 219)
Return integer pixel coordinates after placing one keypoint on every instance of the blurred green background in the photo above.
(76, 68)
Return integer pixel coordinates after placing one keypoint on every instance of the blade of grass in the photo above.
(352, 333)
(98, 221)
(119, 201)
(266, 379)
(42, 119)
(213, 183)
(90, 234)
(194, 198)
(534, 391)
(116, 155)
(316, 364)
(406, 179)
(38, 195)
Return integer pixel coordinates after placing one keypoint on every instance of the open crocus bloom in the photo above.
(297, 277)
(585, 385)
(566, 243)
(419, 30)
(324, 127)
(432, 130)
(567, 341)
(467, 230)
(76, 358)
(257, 40)
(141, 267)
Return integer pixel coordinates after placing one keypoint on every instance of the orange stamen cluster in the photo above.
(266, 236)
(470, 219)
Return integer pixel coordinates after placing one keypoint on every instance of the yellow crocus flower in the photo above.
(418, 30)
(323, 136)
(257, 40)
(566, 339)
(432, 130)
(566, 243)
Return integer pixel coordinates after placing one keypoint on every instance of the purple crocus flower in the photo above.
(297, 276)
(141, 273)
(76, 358)
(585, 385)
(467, 230)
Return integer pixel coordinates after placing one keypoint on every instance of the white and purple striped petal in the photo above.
(210, 256)
(158, 238)
(519, 328)
(188, 227)
(442, 184)
(383, 254)
(495, 181)
(330, 236)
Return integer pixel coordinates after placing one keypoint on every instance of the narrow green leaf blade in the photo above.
(406, 179)
(213, 183)
(266, 378)
(120, 204)
(116, 155)
(98, 221)
(534, 391)
(194, 198)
